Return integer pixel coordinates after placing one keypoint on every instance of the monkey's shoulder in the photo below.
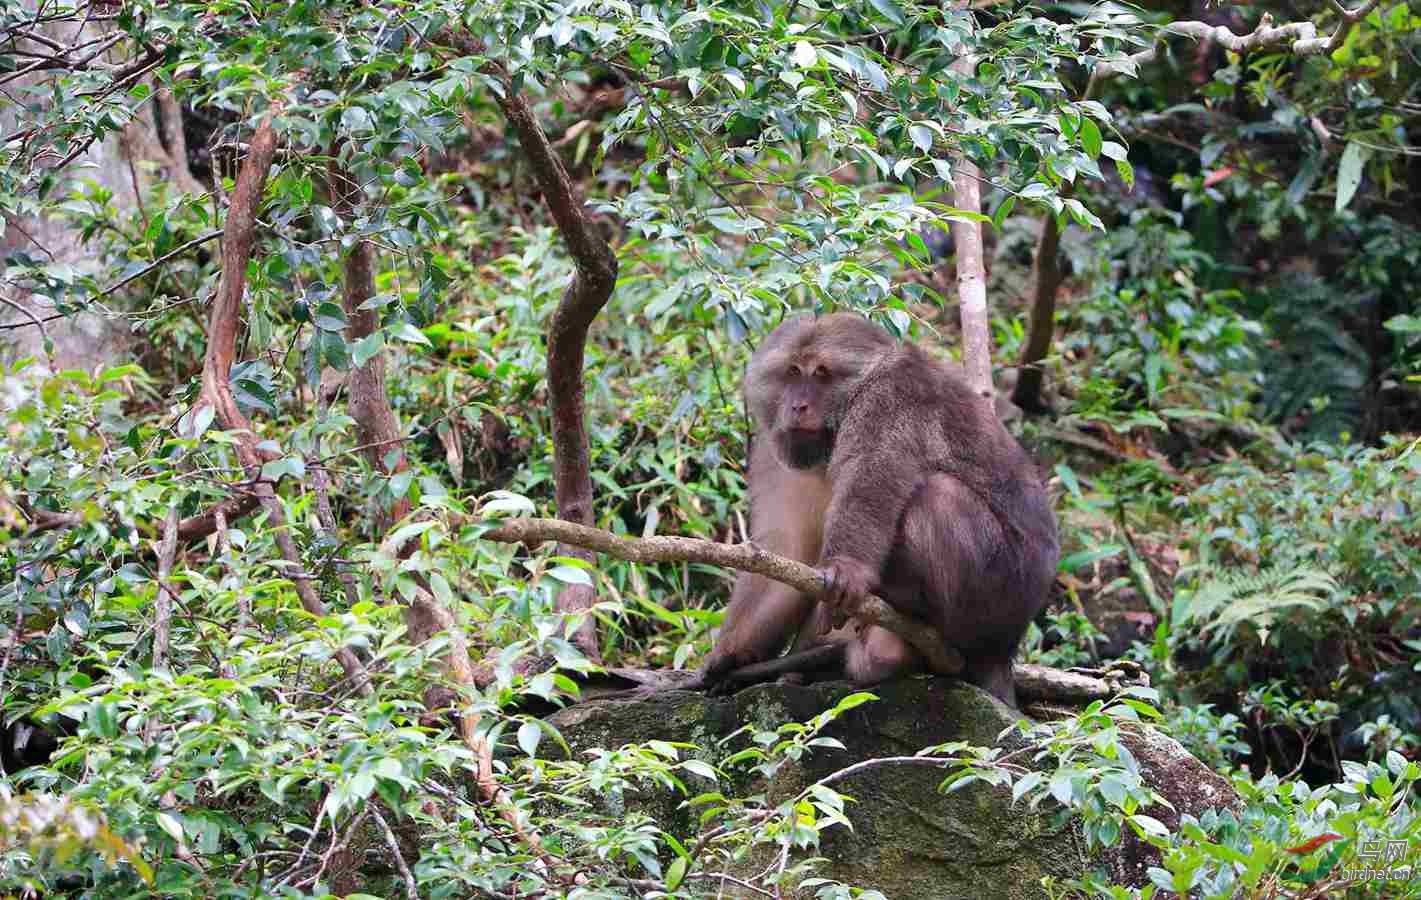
(908, 379)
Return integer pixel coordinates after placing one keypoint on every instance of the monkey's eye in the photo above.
(821, 373)
(794, 372)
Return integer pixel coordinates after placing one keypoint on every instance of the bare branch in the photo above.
(742, 557)
(1299, 38)
(29, 313)
(411, 886)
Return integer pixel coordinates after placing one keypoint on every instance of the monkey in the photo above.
(879, 465)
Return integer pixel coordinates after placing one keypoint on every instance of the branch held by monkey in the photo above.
(940, 658)
(1033, 682)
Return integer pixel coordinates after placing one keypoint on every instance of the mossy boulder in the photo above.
(909, 840)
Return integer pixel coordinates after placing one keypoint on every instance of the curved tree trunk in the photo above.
(589, 291)
(1046, 276)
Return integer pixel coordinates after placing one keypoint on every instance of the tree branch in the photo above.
(941, 658)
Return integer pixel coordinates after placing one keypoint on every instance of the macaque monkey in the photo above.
(876, 463)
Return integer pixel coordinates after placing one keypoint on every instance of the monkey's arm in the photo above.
(786, 510)
(881, 458)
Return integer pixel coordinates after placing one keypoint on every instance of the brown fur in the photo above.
(876, 463)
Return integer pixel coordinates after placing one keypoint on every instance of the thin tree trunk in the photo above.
(1046, 277)
(377, 428)
(589, 291)
(971, 268)
(239, 236)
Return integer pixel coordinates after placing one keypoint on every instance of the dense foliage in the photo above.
(1232, 439)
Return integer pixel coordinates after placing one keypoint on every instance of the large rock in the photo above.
(909, 840)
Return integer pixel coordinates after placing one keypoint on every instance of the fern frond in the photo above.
(1258, 599)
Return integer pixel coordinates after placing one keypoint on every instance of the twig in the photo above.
(176, 251)
(411, 887)
(34, 320)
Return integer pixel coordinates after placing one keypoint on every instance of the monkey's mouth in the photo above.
(805, 448)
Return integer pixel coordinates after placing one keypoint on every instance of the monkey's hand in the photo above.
(846, 583)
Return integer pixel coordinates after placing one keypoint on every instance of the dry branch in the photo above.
(591, 287)
(743, 557)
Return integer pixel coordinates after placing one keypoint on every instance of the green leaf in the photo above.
(287, 465)
(505, 502)
(172, 826)
(366, 348)
(330, 317)
(698, 767)
(1000, 216)
(569, 575)
(529, 735)
(103, 720)
(407, 332)
(804, 54)
(1091, 140)
(1349, 173)
(922, 137)
(1403, 324)
(439, 586)
(676, 872)
(1150, 825)
(400, 483)
(1127, 172)
(1302, 182)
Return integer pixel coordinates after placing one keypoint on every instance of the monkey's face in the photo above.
(801, 378)
(804, 429)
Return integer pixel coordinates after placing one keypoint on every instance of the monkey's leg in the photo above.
(969, 581)
(877, 655)
(761, 618)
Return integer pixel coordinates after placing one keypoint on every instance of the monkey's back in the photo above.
(980, 548)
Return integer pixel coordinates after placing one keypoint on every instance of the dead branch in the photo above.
(1299, 38)
(940, 658)
(589, 291)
